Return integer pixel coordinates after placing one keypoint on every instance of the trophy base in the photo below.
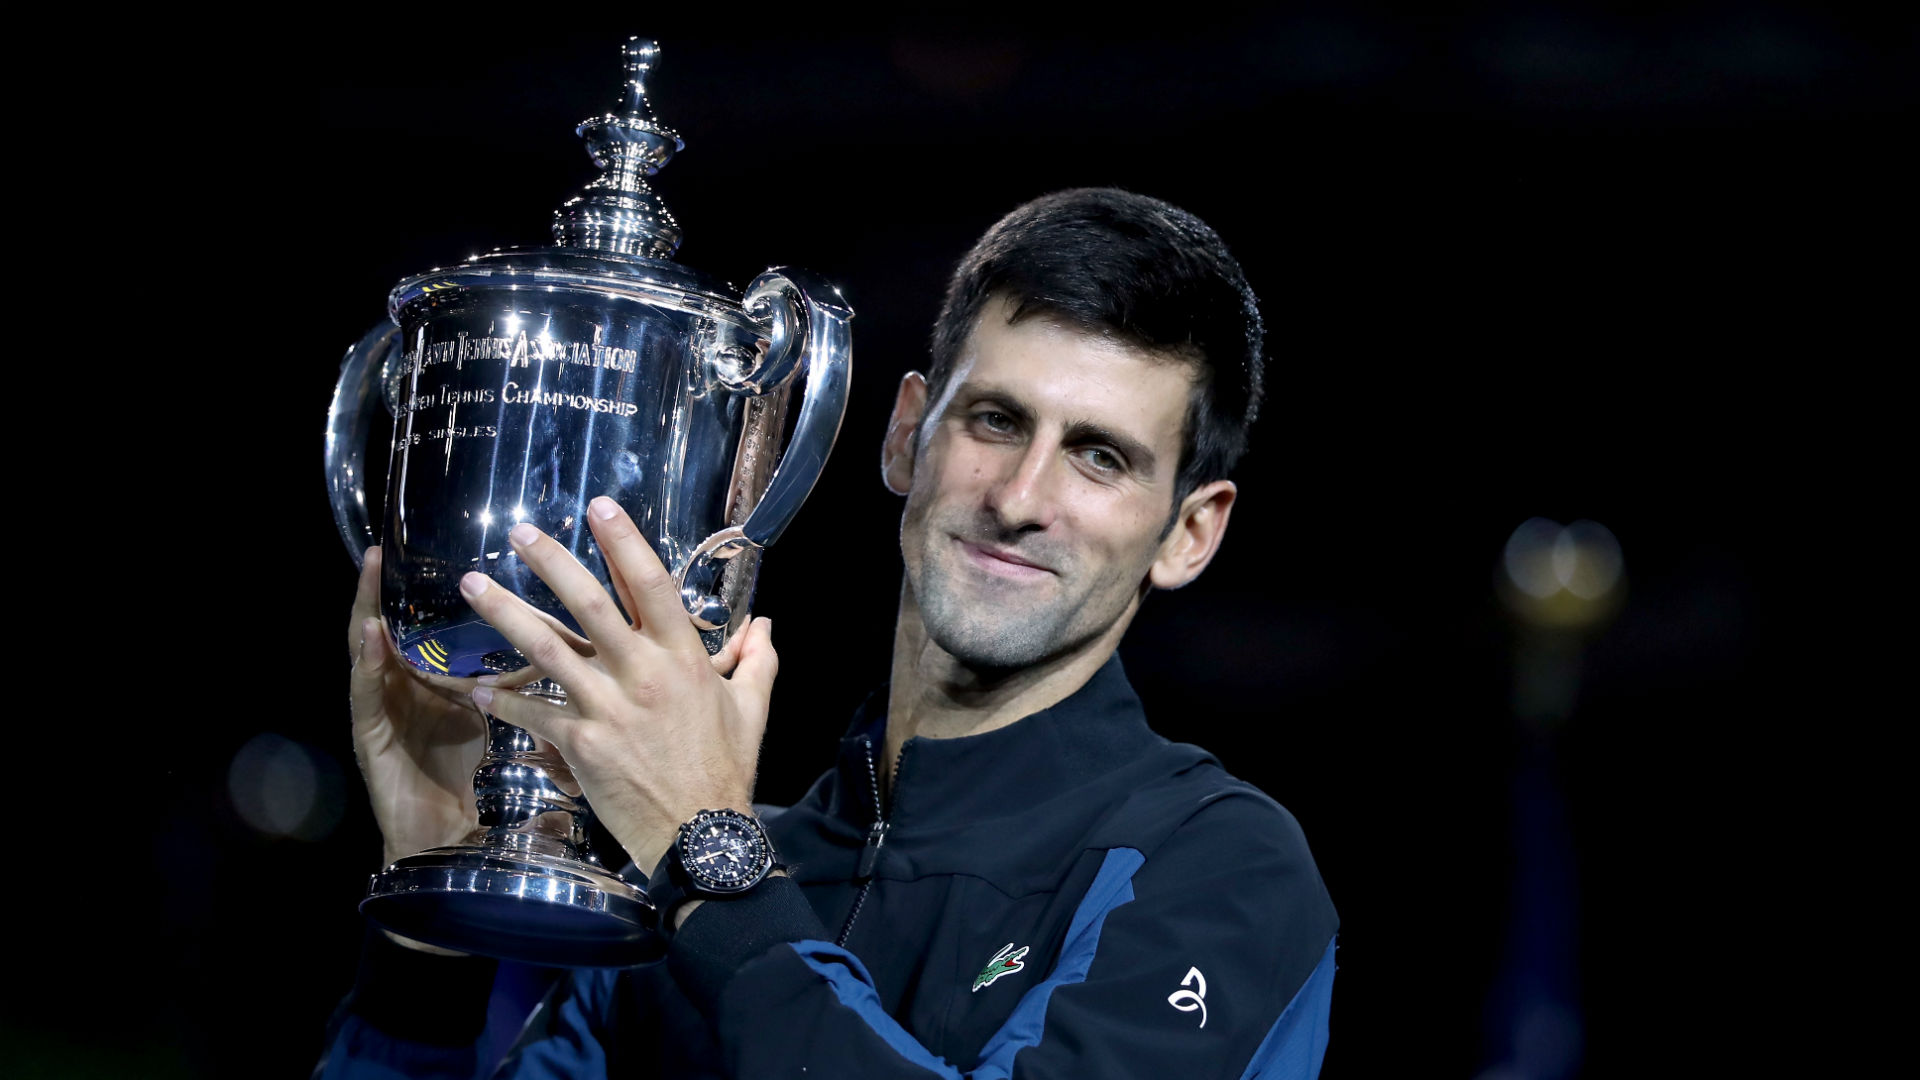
(525, 906)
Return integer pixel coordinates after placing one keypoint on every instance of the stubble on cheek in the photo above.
(913, 541)
(981, 619)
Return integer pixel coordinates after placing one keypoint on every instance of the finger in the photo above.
(728, 657)
(567, 633)
(623, 591)
(460, 689)
(656, 599)
(551, 722)
(521, 625)
(508, 679)
(753, 677)
(366, 600)
(585, 598)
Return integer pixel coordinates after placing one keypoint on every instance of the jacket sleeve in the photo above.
(416, 1015)
(1214, 958)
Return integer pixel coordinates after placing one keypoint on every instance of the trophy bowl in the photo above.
(520, 385)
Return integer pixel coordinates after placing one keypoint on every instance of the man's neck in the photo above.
(934, 696)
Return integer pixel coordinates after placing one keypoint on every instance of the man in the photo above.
(1008, 873)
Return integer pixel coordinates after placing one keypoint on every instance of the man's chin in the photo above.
(989, 655)
(1008, 639)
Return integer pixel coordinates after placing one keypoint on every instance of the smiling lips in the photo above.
(1003, 563)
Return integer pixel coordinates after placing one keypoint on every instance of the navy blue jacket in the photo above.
(1068, 896)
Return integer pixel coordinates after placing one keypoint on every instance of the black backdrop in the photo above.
(1529, 263)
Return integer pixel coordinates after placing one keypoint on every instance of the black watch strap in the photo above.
(668, 895)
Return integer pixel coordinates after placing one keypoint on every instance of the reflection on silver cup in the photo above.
(522, 384)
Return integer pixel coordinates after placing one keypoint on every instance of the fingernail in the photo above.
(472, 584)
(523, 534)
(602, 508)
(482, 696)
(766, 627)
(488, 680)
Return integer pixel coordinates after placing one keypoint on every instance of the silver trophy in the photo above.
(521, 384)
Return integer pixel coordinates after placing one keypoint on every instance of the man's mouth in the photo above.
(1002, 562)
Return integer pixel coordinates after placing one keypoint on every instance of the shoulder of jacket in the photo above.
(1156, 810)
(1193, 824)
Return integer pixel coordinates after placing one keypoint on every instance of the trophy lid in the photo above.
(614, 235)
(618, 212)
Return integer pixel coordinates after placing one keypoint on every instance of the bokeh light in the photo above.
(1562, 575)
(1586, 560)
(1529, 557)
(280, 788)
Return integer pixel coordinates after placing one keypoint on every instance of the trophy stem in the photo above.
(527, 796)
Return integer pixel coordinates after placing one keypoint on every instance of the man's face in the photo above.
(1040, 489)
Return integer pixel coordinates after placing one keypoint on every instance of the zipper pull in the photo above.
(870, 854)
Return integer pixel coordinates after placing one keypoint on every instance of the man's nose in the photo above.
(1025, 496)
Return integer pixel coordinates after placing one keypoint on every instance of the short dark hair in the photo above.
(1149, 272)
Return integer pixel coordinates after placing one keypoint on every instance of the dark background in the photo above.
(1623, 267)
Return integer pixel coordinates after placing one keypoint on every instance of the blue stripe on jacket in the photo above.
(1112, 887)
(1297, 1042)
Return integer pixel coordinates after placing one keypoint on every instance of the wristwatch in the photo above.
(718, 855)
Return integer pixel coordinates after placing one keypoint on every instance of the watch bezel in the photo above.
(701, 883)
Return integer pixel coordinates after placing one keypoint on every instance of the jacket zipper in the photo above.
(876, 837)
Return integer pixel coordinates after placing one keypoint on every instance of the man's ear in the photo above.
(1196, 534)
(896, 452)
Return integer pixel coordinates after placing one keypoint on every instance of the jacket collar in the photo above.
(940, 782)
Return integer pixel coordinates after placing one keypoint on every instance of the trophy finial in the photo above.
(618, 212)
(639, 53)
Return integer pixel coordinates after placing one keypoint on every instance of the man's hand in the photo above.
(418, 739)
(652, 729)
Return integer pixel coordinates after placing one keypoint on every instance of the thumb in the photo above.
(753, 676)
(728, 657)
(367, 680)
(366, 599)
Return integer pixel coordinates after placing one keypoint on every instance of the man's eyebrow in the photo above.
(972, 393)
(1140, 457)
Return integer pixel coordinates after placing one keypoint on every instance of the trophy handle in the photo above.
(807, 327)
(349, 419)
(821, 341)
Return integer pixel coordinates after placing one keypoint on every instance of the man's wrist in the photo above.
(438, 1000)
(721, 854)
(679, 916)
(687, 907)
(421, 946)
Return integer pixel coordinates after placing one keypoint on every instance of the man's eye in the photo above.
(994, 421)
(1101, 458)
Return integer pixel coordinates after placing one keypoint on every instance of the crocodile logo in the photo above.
(1004, 962)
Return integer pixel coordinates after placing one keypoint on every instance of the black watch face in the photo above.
(724, 851)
